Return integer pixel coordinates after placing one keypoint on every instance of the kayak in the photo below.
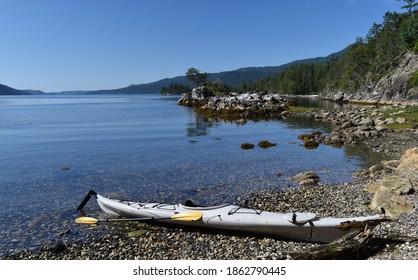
(296, 226)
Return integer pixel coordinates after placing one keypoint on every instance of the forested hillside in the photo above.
(364, 62)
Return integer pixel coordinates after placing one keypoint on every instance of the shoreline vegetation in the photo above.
(391, 185)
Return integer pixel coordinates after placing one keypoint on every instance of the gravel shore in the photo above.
(394, 240)
(131, 241)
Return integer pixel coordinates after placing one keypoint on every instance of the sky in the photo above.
(61, 45)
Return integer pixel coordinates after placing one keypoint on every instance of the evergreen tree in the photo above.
(175, 88)
(194, 75)
(410, 5)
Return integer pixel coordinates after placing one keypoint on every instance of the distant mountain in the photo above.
(34, 92)
(5, 90)
(70, 92)
(232, 78)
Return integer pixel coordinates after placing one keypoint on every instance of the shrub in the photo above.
(415, 49)
(413, 80)
(218, 88)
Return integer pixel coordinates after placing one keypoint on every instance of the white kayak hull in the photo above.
(293, 226)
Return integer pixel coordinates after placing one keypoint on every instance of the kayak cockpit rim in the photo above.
(205, 207)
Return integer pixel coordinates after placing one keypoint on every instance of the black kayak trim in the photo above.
(86, 199)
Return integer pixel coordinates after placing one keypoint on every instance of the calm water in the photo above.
(53, 149)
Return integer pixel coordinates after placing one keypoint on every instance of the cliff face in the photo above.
(391, 88)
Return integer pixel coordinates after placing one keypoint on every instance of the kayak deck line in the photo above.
(299, 226)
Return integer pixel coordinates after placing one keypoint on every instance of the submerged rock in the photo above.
(311, 140)
(266, 144)
(311, 144)
(247, 146)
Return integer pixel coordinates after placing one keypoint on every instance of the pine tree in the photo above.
(194, 75)
(410, 5)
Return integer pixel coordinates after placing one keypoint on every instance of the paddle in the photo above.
(185, 217)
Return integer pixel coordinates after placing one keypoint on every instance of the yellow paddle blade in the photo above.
(86, 220)
(188, 216)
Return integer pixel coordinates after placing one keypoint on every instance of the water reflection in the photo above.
(366, 155)
(306, 124)
(200, 126)
(315, 102)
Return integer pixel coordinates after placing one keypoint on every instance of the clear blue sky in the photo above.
(56, 45)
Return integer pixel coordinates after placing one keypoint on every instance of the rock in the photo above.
(311, 144)
(396, 185)
(376, 168)
(388, 195)
(382, 128)
(197, 96)
(392, 203)
(306, 136)
(308, 182)
(400, 120)
(334, 140)
(200, 93)
(347, 124)
(306, 178)
(266, 144)
(37, 221)
(390, 121)
(368, 122)
(409, 161)
(311, 140)
(394, 85)
(391, 164)
(247, 146)
(137, 233)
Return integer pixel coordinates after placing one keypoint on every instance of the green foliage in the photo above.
(410, 114)
(175, 88)
(413, 80)
(300, 109)
(415, 49)
(218, 88)
(194, 75)
(410, 5)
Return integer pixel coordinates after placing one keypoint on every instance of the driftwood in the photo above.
(350, 246)
(346, 247)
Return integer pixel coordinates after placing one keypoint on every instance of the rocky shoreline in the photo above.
(235, 107)
(393, 240)
(358, 125)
